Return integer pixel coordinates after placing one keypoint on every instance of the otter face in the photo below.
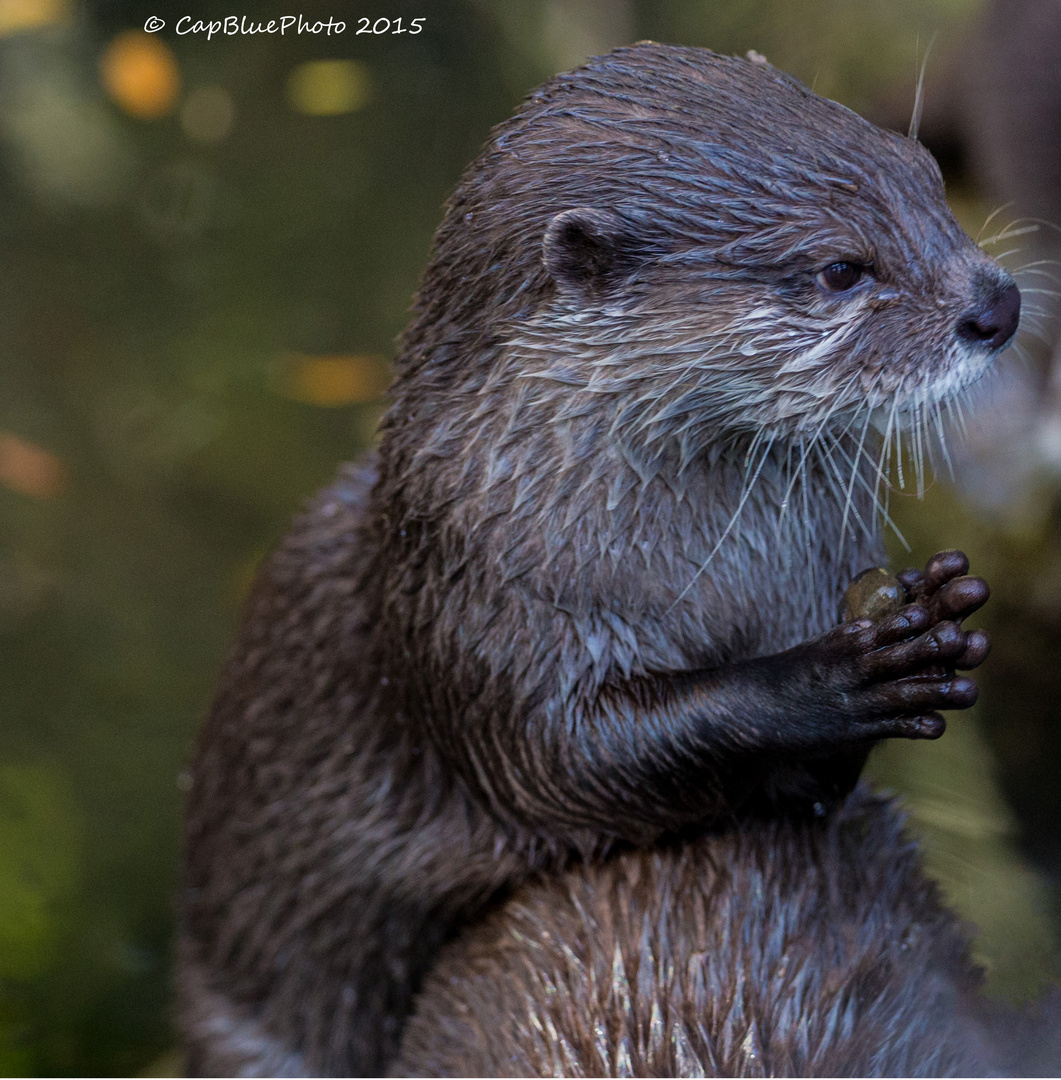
(793, 299)
(712, 248)
(851, 313)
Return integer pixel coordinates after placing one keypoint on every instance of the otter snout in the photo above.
(994, 320)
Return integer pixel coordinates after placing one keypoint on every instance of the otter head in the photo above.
(709, 249)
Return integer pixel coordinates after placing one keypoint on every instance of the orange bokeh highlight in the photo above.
(140, 74)
(30, 469)
(19, 15)
(332, 380)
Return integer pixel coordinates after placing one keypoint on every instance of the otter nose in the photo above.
(994, 323)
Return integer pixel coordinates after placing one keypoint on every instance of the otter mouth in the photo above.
(961, 372)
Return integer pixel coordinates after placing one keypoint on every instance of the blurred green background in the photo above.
(207, 248)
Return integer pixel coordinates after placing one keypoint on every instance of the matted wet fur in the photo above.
(675, 317)
(811, 947)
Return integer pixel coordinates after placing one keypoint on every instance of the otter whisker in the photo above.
(880, 468)
(838, 486)
(958, 411)
(833, 407)
(872, 491)
(1008, 234)
(1011, 251)
(1044, 223)
(1042, 292)
(856, 462)
(805, 499)
(915, 450)
(745, 494)
(1038, 319)
(1024, 223)
(802, 469)
(899, 458)
(885, 460)
(919, 93)
(987, 221)
(937, 416)
(1037, 332)
(1033, 267)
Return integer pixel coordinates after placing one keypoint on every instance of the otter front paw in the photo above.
(894, 670)
(892, 676)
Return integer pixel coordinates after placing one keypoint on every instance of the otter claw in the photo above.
(930, 726)
(978, 645)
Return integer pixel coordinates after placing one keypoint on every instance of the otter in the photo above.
(582, 598)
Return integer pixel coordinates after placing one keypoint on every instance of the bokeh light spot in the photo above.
(30, 469)
(207, 114)
(140, 73)
(16, 15)
(332, 380)
(329, 87)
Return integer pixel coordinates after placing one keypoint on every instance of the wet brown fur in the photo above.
(787, 948)
(554, 615)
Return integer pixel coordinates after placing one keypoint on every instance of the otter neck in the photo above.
(736, 550)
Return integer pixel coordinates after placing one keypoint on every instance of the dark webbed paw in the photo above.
(892, 672)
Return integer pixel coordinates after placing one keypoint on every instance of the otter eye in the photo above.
(841, 276)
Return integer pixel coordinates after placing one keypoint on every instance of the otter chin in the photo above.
(582, 599)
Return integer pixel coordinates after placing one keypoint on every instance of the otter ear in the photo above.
(589, 251)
